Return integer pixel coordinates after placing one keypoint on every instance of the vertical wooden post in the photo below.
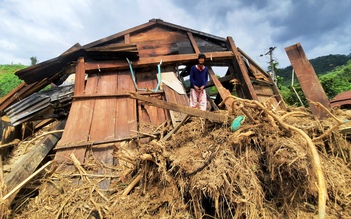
(79, 77)
(308, 79)
(127, 38)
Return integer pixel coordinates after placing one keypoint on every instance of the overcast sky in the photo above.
(46, 28)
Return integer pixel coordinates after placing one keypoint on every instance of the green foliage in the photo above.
(325, 64)
(212, 90)
(8, 80)
(321, 65)
(333, 83)
(291, 98)
(337, 81)
(33, 60)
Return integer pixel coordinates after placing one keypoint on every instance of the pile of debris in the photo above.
(265, 169)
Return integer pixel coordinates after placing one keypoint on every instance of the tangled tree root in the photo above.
(276, 165)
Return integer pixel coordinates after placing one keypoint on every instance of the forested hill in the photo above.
(321, 65)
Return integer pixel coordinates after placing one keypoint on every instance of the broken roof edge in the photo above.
(151, 22)
(253, 62)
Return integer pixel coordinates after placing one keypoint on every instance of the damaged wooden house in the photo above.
(122, 82)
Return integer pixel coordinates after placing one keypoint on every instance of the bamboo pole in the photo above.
(132, 184)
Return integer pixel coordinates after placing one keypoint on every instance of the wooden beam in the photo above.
(252, 62)
(127, 38)
(223, 92)
(80, 77)
(122, 95)
(169, 134)
(193, 43)
(31, 161)
(211, 83)
(96, 144)
(202, 34)
(12, 143)
(216, 117)
(243, 70)
(142, 62)
(308, 79)
(276, 92)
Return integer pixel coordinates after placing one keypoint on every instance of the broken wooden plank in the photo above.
(16, 189)
(255, 67)
(174, 93)
(31, 161)
(216, 117)
(13, 143)
(169, 134)
(95, 144)
(308, 79)
(223, 92)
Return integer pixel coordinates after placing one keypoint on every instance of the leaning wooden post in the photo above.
(308, 79)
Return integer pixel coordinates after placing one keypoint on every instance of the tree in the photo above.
(33, 60)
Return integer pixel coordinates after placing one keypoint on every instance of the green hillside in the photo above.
(8, 80)
(334, 82)
(321, 65)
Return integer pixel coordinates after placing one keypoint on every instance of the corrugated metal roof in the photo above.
(55, 66)
(342, 99)
(35, 105)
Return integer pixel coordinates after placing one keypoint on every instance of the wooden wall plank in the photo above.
(126, 108)
(150, 114)
(103, 120)
(78, 124)
(103, 123)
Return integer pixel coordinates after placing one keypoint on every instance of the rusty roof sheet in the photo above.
(342, 99)
(53, 67)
